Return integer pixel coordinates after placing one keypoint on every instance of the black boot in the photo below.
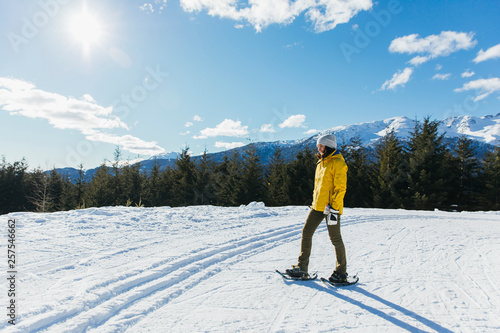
(296, 272)
(338, 277)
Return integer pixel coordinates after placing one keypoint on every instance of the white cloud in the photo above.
(398, 79)
(126, 142)
(293, 121)
(430, 47)
(185, 133)
(484, 87)
(89, 98)
(439, 67)
(311, 131)
(197, 118)
(148, 7)
(188, 124)
(491, 53)
(418, 60)
(267, 128)
(324, 14)
(227, 128)
(22, 98)
(440, 76)
(293, 45)
(327, 14)
(228, 145)
(19, 97)
(433, 46)
(467, 73)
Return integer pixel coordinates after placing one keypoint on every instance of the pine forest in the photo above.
(419, 173)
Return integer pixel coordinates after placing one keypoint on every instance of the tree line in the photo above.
(422, 172)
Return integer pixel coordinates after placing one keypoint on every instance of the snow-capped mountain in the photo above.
(484, 130)
(165, 156)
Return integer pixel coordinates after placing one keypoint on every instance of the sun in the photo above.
(85, 29)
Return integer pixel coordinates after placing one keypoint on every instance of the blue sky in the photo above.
(79, 78)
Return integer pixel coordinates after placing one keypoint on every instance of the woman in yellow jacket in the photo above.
(328, 203)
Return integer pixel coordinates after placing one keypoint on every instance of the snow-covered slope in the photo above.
(211, 269)
(485, 129)
(370, 132)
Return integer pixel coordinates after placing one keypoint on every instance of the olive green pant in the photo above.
(312, 222)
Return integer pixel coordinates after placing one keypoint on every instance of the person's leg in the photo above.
(312, 222)
(336, 239)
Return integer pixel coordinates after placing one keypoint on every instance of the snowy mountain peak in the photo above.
(165, 156)
(484, 129)
(370, 132)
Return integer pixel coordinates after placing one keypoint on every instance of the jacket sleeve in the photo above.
(339, 185)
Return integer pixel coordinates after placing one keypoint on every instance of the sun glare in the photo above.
(85, 29)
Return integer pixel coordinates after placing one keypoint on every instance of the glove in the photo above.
(329, 210)
(331, 215)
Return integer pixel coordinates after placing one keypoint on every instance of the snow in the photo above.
(484, 129)
(211, 269)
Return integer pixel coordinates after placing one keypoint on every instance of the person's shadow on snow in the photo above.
(357, 288)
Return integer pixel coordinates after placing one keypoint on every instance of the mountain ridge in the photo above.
(485, 130)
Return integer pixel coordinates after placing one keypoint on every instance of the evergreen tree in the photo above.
(152, 187)
(220, 175)
(389, 172)
(491, 172)
(56, 183)
(359, 190)
(184, 179)
(227, 180)
(68, 197)
(118, 191)
(166, 187)
(100, 191)
(80, 188)
(301, 173)
(252, 178)
(203, 188)
(428, 178)
(277, 180)
(132, 183)
(465, 190)
(14, 183)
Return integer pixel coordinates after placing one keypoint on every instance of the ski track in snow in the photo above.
(205, 268)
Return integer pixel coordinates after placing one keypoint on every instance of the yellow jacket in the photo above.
(330, 183)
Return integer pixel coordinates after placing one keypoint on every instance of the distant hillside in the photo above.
(484, 130)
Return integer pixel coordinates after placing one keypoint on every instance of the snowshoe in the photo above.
(297, 274)
(340, 280)
(337, 277)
